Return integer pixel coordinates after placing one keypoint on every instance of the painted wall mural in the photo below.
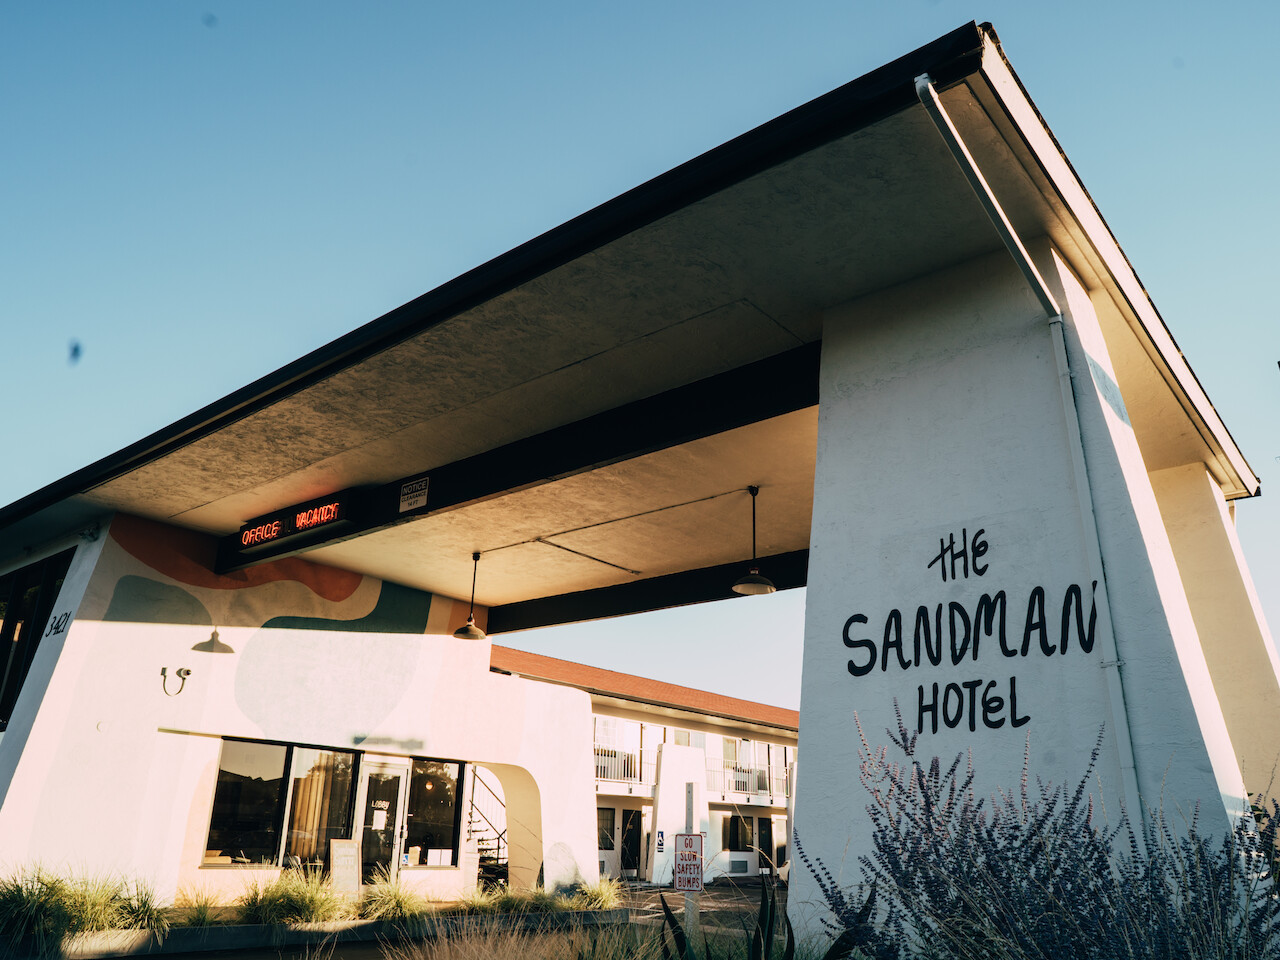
(152, 573)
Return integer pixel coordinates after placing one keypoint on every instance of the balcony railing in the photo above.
(725, 776)
(615, 764)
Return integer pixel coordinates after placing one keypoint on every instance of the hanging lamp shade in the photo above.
(469, 630)
(753, 584)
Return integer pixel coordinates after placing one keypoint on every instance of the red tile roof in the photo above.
(628, 687)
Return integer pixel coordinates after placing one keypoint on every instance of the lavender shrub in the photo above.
(1030, 875)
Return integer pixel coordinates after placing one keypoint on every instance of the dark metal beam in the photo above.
(768, 388)
(786, 570)
(758, 391)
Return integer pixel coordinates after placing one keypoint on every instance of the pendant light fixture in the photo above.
(470, 631)
(753, 584)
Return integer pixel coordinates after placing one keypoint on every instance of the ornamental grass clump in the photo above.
(478, 901)
(197, 908)
(537, 900)
(386, 898)
(1030, 875)
(39, 909)
(35, 912)
(138, 908)
(480, 941)
(605, 894)
(296, 896)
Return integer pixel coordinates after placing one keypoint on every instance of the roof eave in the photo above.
(881, 93)
(1109, 262)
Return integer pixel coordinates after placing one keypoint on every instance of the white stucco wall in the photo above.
(941, 417)
(677, 767)
(118, 777)
(79, 575)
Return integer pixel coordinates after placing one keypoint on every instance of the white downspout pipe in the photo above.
(1111, 662)
(929, 97)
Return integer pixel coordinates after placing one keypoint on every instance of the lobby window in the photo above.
(279, 804)
(736, 833)
(320, 804)
(258, 782)
(247, 803)
(27, 596)
(433, 813)
(604, 826)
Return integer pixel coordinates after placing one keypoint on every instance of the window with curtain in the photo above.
(256, 781)
(320, 805)
(729, 746)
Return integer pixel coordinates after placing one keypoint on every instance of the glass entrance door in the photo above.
(381, 803)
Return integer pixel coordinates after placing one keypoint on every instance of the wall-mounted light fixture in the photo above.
(753, 583)
(470, 631)
(181, 673)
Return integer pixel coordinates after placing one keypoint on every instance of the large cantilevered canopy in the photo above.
(588, 409)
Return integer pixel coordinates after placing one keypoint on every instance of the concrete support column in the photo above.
(974, 559)
(1237, 644)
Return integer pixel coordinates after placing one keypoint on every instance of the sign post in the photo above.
(688, 867)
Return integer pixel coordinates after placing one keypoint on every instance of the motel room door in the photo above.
(380, 805)
(630, 842)
(764, 842)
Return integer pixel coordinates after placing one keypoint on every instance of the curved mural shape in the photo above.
(143, 600)
(155, 574)
(188, 557)
(398, 610)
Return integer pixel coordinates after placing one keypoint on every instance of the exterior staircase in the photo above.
(487, 827)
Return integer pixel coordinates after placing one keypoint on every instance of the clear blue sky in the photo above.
(199, 193)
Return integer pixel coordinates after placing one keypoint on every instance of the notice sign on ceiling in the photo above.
(689, 861)
(413, 494)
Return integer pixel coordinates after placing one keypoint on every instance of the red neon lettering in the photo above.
(316, 516)
(260, 533)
